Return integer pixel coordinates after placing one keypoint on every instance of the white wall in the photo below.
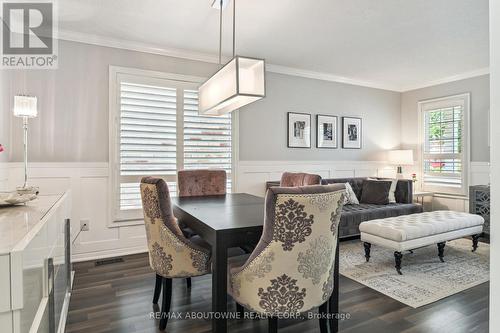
(495, 165)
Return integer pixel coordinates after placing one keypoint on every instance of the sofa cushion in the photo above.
(375, 192)
(353, 215)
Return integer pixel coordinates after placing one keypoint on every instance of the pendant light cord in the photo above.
(234, 28)
(220, 33)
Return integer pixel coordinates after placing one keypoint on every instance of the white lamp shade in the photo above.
(400, 157)
(25, 106)
(240, 82)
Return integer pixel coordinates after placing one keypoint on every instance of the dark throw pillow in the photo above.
(376, 192)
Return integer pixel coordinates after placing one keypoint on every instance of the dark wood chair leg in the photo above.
(333, 302)
(398, 256)
(188, 282)
(323, 319)
(441, 250)
(240, 309)
(156, 295)
(165, 305)
(273, 325)
(367, 250)
(475, 241)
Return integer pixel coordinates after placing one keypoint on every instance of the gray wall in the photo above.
(263, 125)
(73, 102)
(478, 87)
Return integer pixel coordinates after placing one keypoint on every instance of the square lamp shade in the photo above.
(240, 82)
(25, 106)
(400, 157)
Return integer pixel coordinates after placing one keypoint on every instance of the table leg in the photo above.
(219, 285)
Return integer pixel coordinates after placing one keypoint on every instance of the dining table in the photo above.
(224, 221)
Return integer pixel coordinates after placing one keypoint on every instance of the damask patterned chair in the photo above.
(294, 267)
(292, 179)
(171, 255)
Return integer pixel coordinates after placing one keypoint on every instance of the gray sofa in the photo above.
(353, 215)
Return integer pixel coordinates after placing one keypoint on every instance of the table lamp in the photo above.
(400, 158)
(25, 107)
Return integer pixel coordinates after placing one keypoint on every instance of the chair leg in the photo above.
(165, 305)
(273, 325)
(333, 302)
(188, 282)
(156, 295)
(323, 319)
(241, 310)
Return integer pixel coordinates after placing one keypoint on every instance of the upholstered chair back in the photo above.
(170, 253)
(291, 269)
(201, 182)
(292, 179)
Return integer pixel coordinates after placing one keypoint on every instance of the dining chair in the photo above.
(171, 254)
(294, 267)
(197, 183)
(292, 179)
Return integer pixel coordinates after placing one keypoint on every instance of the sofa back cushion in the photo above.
(376, 192)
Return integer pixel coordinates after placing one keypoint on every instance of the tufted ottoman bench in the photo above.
(409, 232)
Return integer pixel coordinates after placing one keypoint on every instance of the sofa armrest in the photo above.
(404, 191)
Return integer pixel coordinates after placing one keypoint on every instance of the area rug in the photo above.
(425, 279)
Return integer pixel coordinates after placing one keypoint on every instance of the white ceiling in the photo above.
(386, 43)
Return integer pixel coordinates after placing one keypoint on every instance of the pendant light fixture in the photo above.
(238, 83)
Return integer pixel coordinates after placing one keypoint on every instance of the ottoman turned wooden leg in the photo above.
(367, 250)
(475, 240)
(441, 250)
(398, 256)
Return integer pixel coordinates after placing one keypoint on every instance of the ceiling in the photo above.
(393, 44)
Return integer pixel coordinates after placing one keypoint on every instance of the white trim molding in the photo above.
(273, 68)
(458, 77)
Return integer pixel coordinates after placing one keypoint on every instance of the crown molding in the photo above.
(207, 57)
(213, 59)
(327, 77)
(453, 78)
(137, 46)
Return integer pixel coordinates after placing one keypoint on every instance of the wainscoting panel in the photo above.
(252, 175)
(88, 183)
(4, 176)
(89, 186)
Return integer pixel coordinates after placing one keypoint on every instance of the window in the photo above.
(156, 130)
(445, 144)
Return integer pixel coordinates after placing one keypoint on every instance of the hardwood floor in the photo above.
(117, 298)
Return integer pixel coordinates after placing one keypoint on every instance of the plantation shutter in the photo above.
(148, 138)
(207, 140)
(444, 147)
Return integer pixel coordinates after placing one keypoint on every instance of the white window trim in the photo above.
(438, 103)
(115, 74)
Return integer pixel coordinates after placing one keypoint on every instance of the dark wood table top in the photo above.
(230, 212)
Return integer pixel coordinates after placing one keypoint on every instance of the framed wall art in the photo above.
(299, 130)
